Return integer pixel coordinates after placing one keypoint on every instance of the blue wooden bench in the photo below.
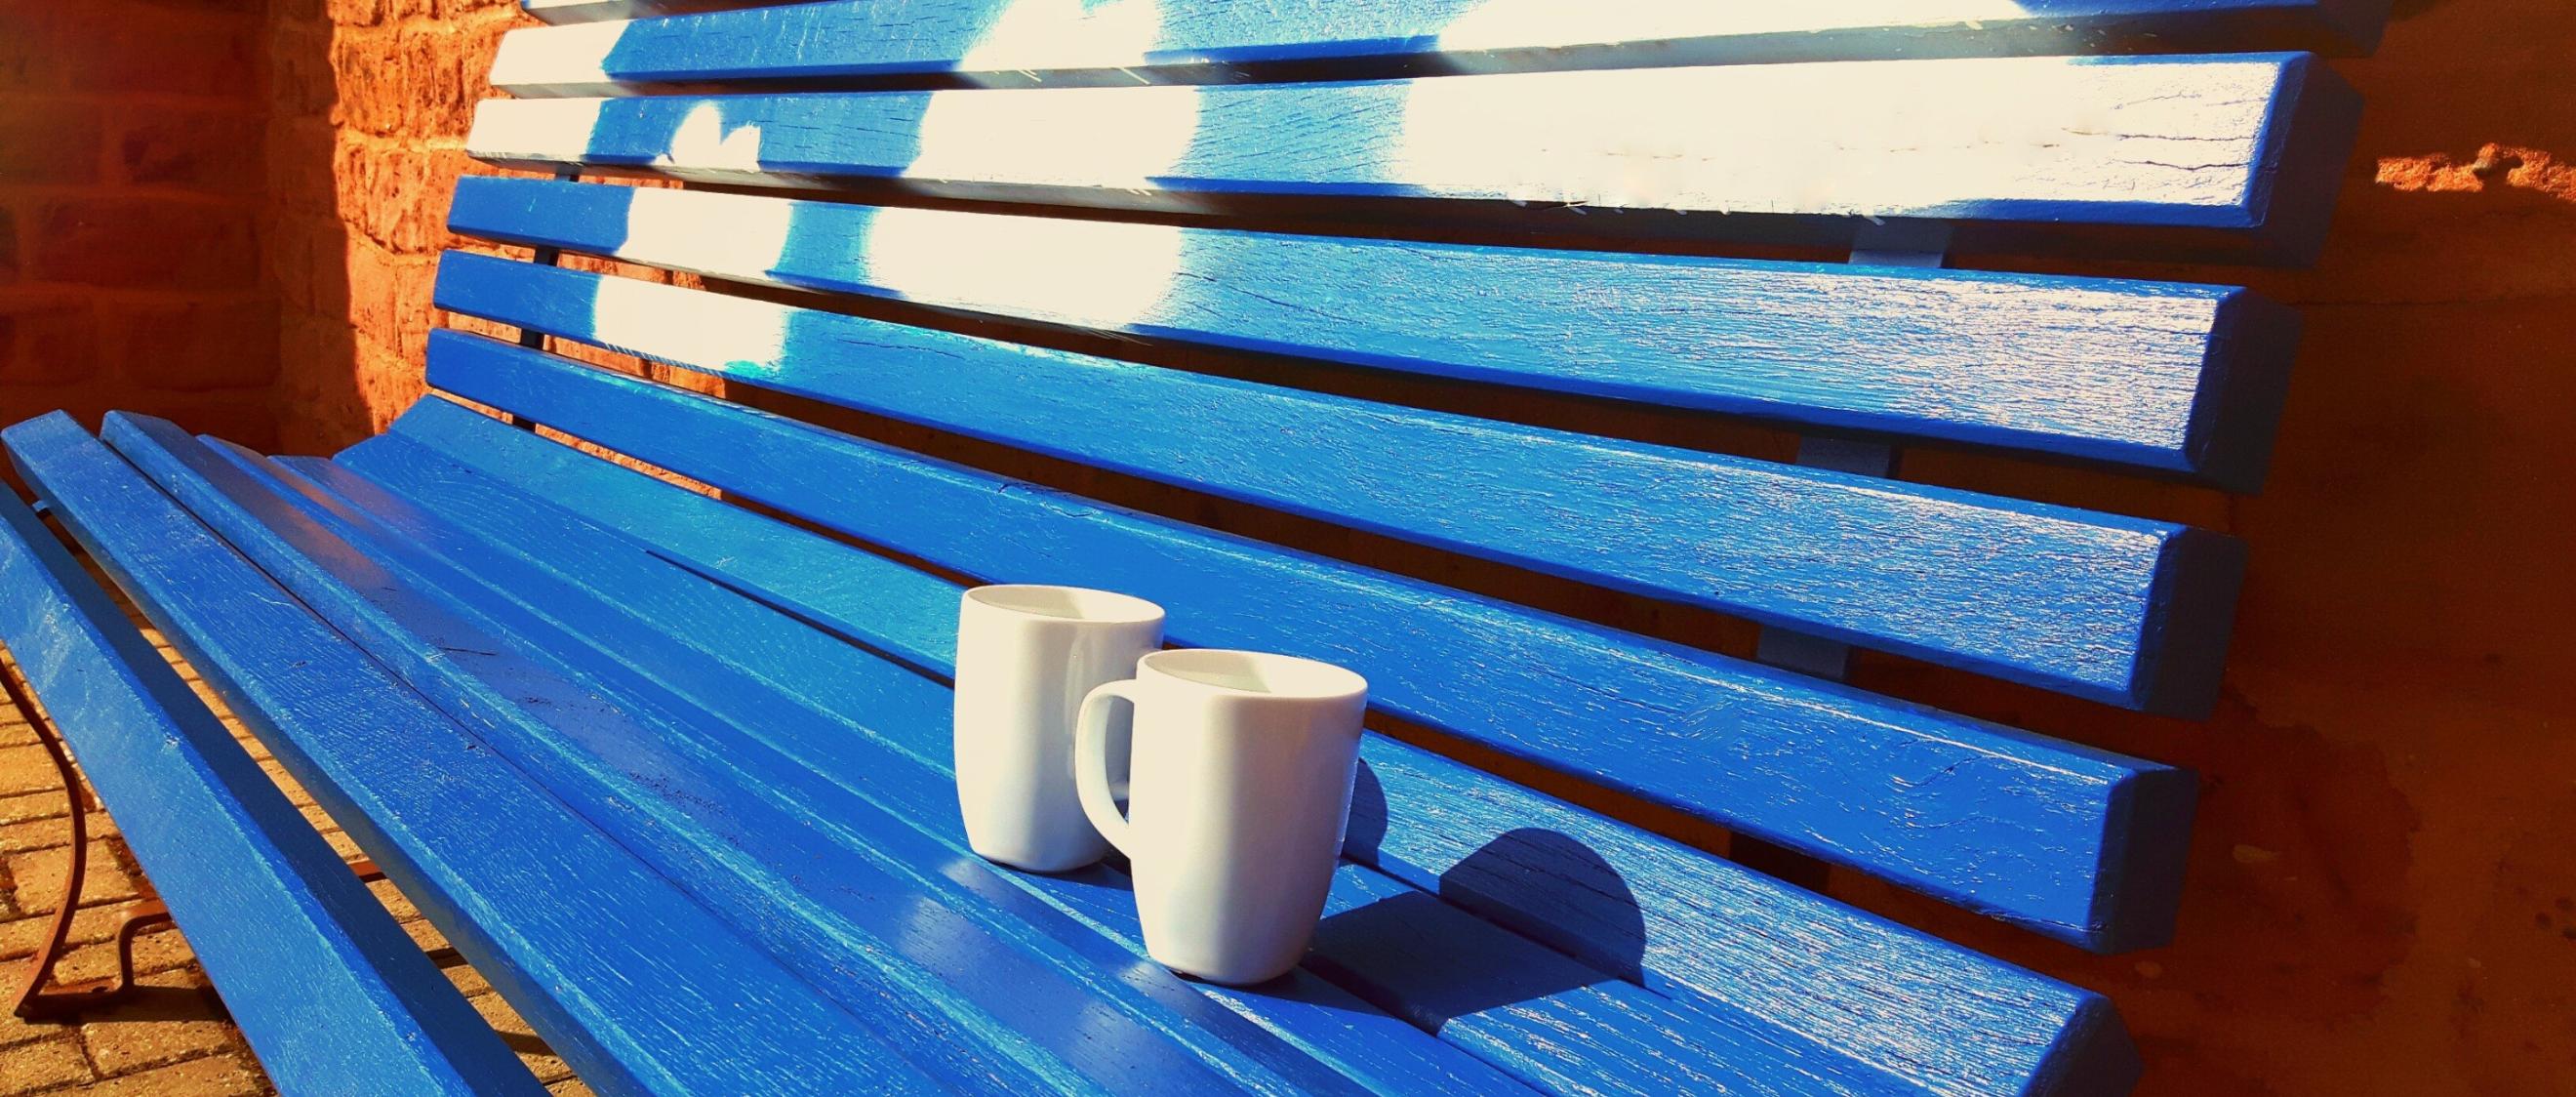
(672, 767)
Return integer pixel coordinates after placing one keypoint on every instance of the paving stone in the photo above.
(16, 1030)
(167, 1021)
(41, 1065)
(27, 769)
(396, 903)
(20, 936)
(39, 877)
(344, 845)
(34, 805)
(425, 935)
(154, 951)
(469, 982)
(217, 1076)
(35, 834)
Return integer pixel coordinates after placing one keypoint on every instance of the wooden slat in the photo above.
(1008, 43)
(650, 628)
(639, 987)
(2116, 609)
(2179, 378)
(1686, 923)
(2097, 839)
(2237, 153)
(331, 994)
(803, 879)
(798, 676)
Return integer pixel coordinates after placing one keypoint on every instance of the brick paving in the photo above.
(173, 1038)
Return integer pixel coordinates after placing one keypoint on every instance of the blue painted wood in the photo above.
(641, 989)
(1755, 745)
(1634, 1027)
(2111, 608)
(1761, 751)
(2218, 153)
(822, 676)
(671, 628)
(1687, 924)
(2168, 376)
(332, 995)
(675, 634)
(724, 671)
(993, 43)
(803, 879)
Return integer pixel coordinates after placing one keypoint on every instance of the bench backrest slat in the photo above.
(1004, 43)
(2116, 609)
(2227, 154)
(1756, 740)
(2168, 376)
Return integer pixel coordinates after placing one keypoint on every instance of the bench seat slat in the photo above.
(1004, 43)
(296, 944)
(1713, 737)
(664, 631)
(1708, 928)
(2106, 607)
(803, 880)
(2227, 152)
(1632, 1025)
(2174, 377)
(531, 893)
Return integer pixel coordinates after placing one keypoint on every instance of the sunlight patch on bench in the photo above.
(1059, 34)
(1121, 139)
(737, 333)
(1964, 132)
(749, 236)
(1086, 273)
(558, 55)
(537, 128)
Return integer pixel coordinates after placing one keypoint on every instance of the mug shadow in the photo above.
(1431, 959)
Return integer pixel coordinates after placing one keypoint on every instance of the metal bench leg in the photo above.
(33, 1001)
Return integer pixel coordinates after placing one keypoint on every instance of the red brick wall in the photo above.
(369, 101)
(130, 179)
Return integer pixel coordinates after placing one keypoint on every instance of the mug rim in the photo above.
(1091, 605)
(1313, 679)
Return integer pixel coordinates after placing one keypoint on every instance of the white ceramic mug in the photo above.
(1239, 786)
(1026, 657)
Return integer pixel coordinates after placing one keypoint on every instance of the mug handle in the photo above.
(1091, 761)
